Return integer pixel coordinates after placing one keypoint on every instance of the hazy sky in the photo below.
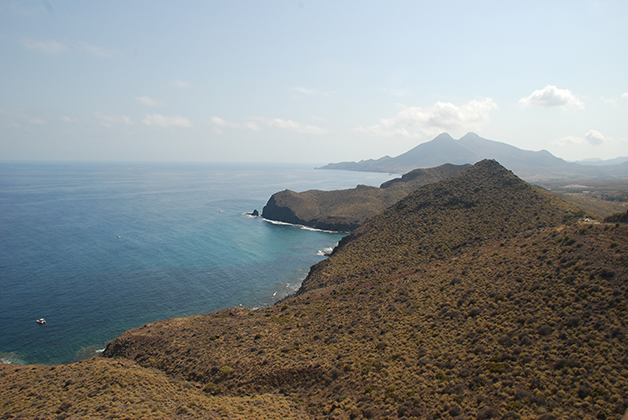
(308, 81)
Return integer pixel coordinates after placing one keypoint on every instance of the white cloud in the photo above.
(111, 120)
(18, 117)
(294, 126)
(428, 122)
(221, 122)
(552, 97)
(94, 50)
(50, 47)
(68, 119)
(624, 96)
(147, 100)
(594, 137)
(53, 47)
(312, 92)
(251, 126)
(180, 84)
(591, 138)
(166, 121)
(569, 141)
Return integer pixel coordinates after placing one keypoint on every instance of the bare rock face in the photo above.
(305, 209)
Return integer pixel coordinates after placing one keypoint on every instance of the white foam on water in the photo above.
(302, 227)
(11, 358)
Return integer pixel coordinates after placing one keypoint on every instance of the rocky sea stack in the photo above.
(479, 297)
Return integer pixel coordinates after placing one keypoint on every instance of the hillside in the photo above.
(529, 165)
(102, 388)
(345, 210)
(476, 297)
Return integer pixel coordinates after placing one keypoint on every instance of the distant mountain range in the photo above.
(529, 165)
(602, 162)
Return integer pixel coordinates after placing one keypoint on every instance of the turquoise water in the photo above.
(98, 248)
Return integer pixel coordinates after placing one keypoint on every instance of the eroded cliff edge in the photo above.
(346, 210)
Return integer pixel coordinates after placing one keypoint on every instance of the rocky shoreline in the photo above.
(346, 210)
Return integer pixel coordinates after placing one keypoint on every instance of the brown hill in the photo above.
(346, 210)
(443, 219)
(477, 297)
(102, 388)
(617, 218)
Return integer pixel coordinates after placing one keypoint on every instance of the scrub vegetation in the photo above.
(476, 297)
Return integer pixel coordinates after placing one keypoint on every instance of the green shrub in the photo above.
(209, 387)
(212, 388)
(440, 376)
(496, 367)
(226, 370)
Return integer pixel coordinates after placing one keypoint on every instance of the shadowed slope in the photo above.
(345, 210)
(439, 221)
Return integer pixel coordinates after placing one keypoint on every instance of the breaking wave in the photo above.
(302, 227)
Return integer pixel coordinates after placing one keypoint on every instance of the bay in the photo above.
(98, 248)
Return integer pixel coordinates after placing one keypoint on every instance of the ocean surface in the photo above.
(98, 248)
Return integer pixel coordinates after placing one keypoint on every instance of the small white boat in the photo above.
(40, 321)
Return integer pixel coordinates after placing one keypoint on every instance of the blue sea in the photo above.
(99, 248)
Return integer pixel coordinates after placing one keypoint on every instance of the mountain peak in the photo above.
(471, 148)
(470, 136)
(490, 166)
(445, 219)
(442, 137)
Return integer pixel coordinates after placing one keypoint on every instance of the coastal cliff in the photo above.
(346, 210)
(479, 296)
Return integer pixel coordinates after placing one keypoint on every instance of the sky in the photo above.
(308, 81)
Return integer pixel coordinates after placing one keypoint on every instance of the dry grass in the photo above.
(105, 388)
